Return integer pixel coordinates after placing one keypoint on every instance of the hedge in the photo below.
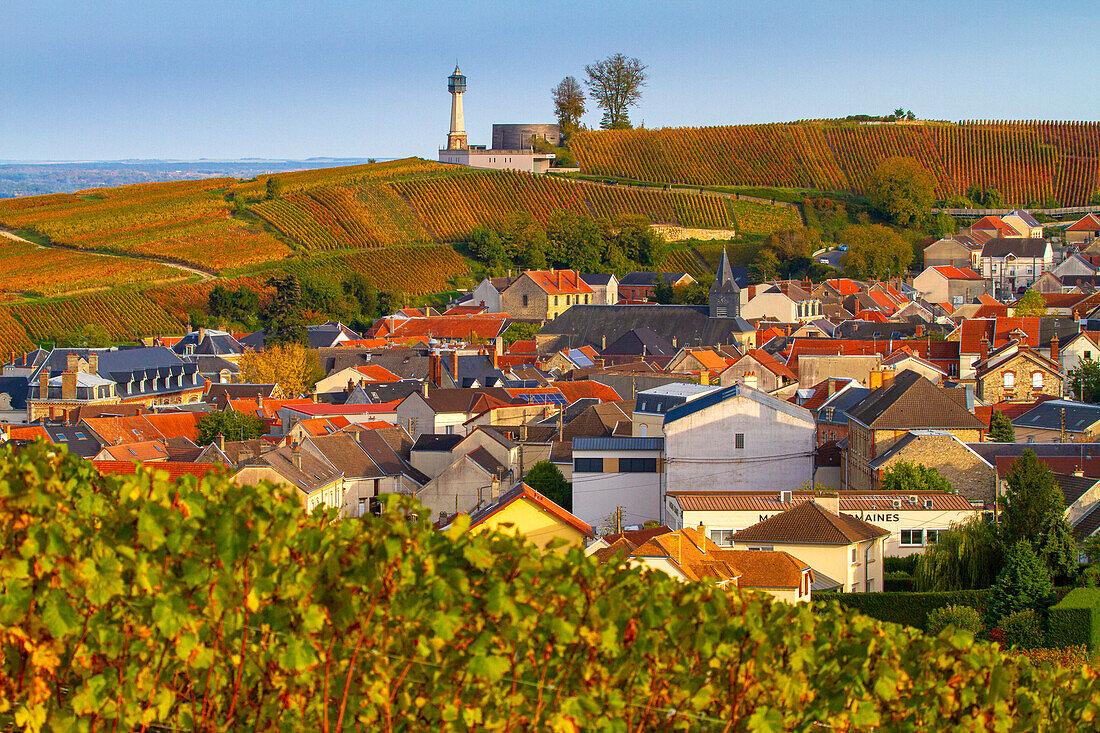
(907, 564)
(1076, 620)
(897, 581)
(909, 609)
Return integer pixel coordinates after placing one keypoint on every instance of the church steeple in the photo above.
(725, 295)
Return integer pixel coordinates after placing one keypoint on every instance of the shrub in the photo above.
(1023, 583)
(897, 582)
(1075, 621)
(961, 617)
(907, 564)
(1070, 656)
(132, 602)
(1022, 629)
(909, 609)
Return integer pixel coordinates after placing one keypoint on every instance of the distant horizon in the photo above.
(116, 80)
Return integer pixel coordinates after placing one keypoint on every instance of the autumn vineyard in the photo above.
(1027, 162)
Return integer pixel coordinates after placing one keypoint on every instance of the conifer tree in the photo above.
(1023, 583)
(1000, 429)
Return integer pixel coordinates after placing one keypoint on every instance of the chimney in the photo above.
(828, 500)
(296, 455)
(201, 336)
(704, 376)
(496, 359)
(830, 386)
(220, 440)
(205, 385)
(702, 530)
(603, 342)
(424, 388)
(68, 384)
(43, 383)
(920, 331)
(751, 380)
(259, 400)
(454, 366)
(1054, 344)
(66, 414)
(71, 362)
(435, 369)
(93, 363)
(983, 349)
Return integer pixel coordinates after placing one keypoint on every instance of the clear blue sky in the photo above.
(230, 79)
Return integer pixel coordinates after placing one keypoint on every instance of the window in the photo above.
(644, 429)
(1010, 380)
(722, 536)
(912, 537)
(1088, 354)
(855, 587)
(855, 557)
(932, 536)
(525, 301)
(1036, 380)
(927, 503)
(567, 300)
(362, 507)
(555, 300)
(721, 311)
(586, 300)
(588, 465)
(739, 441)
(637, 465)
(450, 430)
(870, 585)
(762, 549)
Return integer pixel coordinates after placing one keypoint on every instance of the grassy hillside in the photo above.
(1026, 162)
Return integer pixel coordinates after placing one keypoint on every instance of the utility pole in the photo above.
(618, 520)
(1063, 421)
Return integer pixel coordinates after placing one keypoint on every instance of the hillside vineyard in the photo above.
(1026, 162)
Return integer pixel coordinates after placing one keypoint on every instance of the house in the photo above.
(614, 472)
(209, 342)
(1075, 265)
(470, 483)
(1084, 230)
(758, 369)
(688, 554)
(738, 439)
(905, 358)
(651, 405)
(994, 227)
(526, 512)
(844, 552)
(488, 292)
(832, 413)
(910, 402)
(947, 284)
(972, 476)
(1015, 372)
(692, 360)
(978, 336)
(445, 410)
(344, 379)
(315, 481)
(543, 295)
(950, 252)
(1084, 345)
(1014, 264)
(1024, 224)
(783, 305)
(1058, 421)
(913, 519)
(605, 288)
(640, 286)
(431, 453)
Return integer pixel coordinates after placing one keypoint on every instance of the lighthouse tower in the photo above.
(456, 85)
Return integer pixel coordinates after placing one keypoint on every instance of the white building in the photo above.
(738, 439)
(651, 405)
(914, 519)
(1014, 264)
(614, 472)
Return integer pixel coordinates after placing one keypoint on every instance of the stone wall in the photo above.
(968, 474)
(679, 234)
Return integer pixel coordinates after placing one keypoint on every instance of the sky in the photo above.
(110, 80)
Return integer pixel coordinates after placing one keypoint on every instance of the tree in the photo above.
(663, 292)
(273, 188)
(547, 479)
(231, 425)
(1000, 429)
(616, 84)
(901, 190)
(519, 331)
(790, 244)
(283, 318)
(905, 477)
(1030, 500)
(1031, 304)
(1084, 380)
(765, 265)
(899, 113)
(1024, 583)
(875, 251)
(966, 556)
(568, 105)
(89, 336)
(292, 366)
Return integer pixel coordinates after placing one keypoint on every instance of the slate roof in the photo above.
(78, 440)
(15, 389)
(689, 325)
(999, 247)
(437, 442)
(1026, 216)
(213, 343)
(597, 278)
(1087, 525)
(640, 341)
(618, 444)
(636, 279)
(811, 524)
(1047, 415)
(840, 402)
(1073, 487)
(220, 392)
(466, 400)
(912, 401)
(485, 459)
(737, 390)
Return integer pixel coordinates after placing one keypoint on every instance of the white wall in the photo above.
(486, 293)
(596, 495)
(701, 454)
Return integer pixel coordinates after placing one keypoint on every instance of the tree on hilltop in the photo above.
(274, 188)
(568, 105)
(616, 84)
(901, 190)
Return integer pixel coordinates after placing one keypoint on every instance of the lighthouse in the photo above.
(456, 85)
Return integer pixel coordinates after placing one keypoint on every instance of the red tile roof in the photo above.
(587, 389)
(318, 409)
(997, 331)
(957, 273)
(1087, 223)
(770, 363)
(173, 469)
(147, 450)
(940, 353)
(465, 310)
(995, 223)
(28, 432)
(844, 286)
(482, 326)
(559, 282)
(523, 346)
(376, 373)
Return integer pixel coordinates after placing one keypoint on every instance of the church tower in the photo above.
(456, 85)
(725, 295)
